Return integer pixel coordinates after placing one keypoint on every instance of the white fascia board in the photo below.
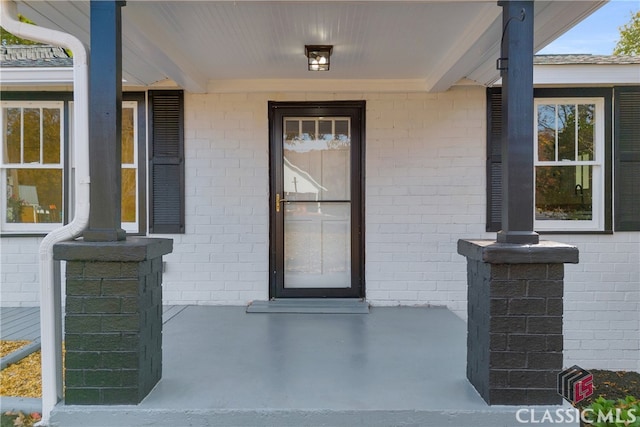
(45, 76)
(584, 75)
(587, 74)
(36, 76)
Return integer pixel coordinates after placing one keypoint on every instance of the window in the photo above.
(129, 209)
(37, 168)
(569, 175)
(37, 198)
(32, 164)
(573, 159)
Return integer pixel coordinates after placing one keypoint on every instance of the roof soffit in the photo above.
(552, 19)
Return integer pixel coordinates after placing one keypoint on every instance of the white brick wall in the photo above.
(425, 189)
(602, 302)
(223, 256)
(425, 153)
(19, 271)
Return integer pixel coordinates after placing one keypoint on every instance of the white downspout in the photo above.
(50, 298)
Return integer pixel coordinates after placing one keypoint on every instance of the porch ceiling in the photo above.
(433, 44)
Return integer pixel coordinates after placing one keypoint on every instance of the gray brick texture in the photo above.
(113, 331)
(515, 332)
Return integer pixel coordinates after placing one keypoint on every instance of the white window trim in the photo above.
(132, 227)
(598, 174)
(29, 228)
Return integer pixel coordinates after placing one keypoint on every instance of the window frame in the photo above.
(134, 227)
(66, 98)
(5, 166)
(494, 157)
(598, 164)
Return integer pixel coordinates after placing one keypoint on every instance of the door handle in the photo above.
(278, 201)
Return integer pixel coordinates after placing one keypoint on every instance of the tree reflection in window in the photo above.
(565, 161)
(32, 163)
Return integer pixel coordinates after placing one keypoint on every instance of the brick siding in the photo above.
(113, 320)
(425, 189)
(514, 327)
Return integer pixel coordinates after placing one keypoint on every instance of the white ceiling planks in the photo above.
(195, 43)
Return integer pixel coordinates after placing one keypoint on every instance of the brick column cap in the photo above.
(544, 252)
(131, 250)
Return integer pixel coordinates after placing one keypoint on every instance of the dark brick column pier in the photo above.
(113, 321)
(514, 326)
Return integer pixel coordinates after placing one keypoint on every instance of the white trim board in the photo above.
(584, 74)
(40, 75)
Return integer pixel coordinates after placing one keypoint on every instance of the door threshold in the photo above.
(311, 305)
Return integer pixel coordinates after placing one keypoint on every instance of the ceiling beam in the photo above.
(73, 18)
(141, 48)
(145, 37)
(550, 21)
(455, 65)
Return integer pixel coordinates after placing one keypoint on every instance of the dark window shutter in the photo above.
(627, 158)
(166, 161)
(494, 159)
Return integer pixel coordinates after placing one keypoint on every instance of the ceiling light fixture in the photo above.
(318, 57)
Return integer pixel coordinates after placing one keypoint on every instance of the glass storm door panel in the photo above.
(317, 205)
(316, 196)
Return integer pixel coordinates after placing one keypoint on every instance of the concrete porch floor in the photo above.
(396, 366)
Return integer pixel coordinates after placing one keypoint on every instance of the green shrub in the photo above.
(611, 413)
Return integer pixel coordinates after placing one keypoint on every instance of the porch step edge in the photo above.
(24, 404)
(125, 416)
(310, 305)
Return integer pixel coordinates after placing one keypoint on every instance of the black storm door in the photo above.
(316, 199)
